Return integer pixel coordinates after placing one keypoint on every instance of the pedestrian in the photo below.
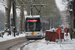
(67, 30)
(71, 32)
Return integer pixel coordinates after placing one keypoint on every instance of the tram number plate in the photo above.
(32, 33)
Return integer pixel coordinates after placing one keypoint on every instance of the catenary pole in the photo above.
(13, 3)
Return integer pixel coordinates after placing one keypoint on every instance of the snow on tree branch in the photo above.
(4, 3)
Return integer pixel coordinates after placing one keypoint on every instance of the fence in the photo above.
(52, 36)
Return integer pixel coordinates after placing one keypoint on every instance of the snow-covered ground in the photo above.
(44, 45)
(9, 37)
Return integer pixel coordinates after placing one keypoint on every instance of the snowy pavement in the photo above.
(9, 37)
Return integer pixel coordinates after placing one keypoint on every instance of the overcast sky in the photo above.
(60, 5)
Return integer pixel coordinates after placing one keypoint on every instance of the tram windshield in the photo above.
(32, 25)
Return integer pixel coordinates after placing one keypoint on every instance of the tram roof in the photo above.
(32, 16)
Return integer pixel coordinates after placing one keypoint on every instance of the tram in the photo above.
(33, 27)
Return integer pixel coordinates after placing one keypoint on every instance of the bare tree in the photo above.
(7, 24)
(22, 19)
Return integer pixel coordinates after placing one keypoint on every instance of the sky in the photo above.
(60, 6)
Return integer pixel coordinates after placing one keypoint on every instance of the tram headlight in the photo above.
(27, 33)
(37, 33)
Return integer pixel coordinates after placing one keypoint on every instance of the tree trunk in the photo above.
(22, 20)
(7, 24)
(28, 10)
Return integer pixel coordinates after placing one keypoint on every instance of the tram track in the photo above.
(20, 46)
(6, 45)
(15, 44)
(11, 47)
(27, 44)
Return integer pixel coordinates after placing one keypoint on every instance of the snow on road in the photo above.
(42, 45)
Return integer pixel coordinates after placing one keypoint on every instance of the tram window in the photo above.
(33, 26)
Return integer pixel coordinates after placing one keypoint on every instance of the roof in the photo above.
(32, 16)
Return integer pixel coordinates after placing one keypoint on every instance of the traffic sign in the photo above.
(59, 31)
